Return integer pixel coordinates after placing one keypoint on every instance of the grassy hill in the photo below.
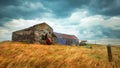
(21, 55)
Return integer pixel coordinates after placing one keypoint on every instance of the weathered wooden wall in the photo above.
(23, 36)
(34, 34)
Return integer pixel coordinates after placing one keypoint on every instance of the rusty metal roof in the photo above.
(60, 35)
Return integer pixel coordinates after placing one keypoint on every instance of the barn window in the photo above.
(43, 37)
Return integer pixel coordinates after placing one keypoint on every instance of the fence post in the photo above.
(109, 53)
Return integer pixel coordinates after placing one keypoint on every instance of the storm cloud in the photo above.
(29, 9)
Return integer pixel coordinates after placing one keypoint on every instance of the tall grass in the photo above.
(21, 55)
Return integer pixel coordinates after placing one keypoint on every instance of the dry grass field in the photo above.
(22, 55)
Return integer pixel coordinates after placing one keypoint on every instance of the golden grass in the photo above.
(21, 55)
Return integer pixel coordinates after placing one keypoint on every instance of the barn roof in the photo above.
(42, 25)
(60, 35)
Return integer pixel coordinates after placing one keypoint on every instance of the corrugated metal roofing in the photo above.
(60, 35)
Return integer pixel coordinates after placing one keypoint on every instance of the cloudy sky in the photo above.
(87, 19)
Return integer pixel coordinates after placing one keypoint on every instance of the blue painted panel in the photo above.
(61, 41)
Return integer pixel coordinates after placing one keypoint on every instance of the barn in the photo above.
(42, 33)
(66, 39)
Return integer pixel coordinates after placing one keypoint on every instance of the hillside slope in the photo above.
(21, 55)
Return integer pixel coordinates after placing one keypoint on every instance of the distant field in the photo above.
(22, 55)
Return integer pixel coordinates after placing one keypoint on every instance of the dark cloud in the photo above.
(59, 8)
(9, 2)
(105, 7)
(107, 32)
(3, 21)
(19, 9)
(64, 8)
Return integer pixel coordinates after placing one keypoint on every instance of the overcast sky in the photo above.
(87, 19)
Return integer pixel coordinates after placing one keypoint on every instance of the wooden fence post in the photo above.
(109, 53)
